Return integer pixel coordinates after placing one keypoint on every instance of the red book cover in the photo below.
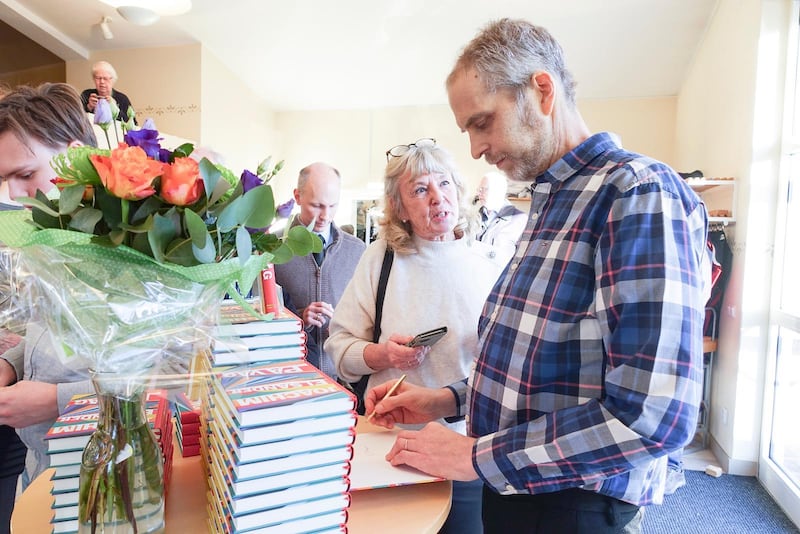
(271, 393)
(269, 291)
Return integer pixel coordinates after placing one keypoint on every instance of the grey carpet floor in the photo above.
(726, 505)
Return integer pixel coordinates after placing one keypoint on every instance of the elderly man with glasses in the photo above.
(105, 76)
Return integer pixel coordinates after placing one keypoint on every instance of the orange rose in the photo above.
(127, 173)
(181, 183)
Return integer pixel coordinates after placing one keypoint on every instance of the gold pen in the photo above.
(388, 394)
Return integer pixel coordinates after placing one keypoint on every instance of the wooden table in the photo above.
(405, 509)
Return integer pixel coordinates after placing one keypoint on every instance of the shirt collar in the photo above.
(578, 158)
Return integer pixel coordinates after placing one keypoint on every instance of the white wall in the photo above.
(234, 121)
(356, 141)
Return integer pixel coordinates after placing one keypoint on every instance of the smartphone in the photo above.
(426, 339)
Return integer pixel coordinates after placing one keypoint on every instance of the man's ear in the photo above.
(297, 196)
(545, 88)
(73, 144)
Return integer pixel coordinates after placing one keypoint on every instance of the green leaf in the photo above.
(181, 251)
(282, 254)
(260, 206)
(85, 219)
(117, 236)
(207, 254)
(198, 230)
(210, 174)
(244, 245)
(183, 151)
(70, 198)
(149, 206)
(254, 209)
(263, 167)
(232, 215)
(111, 207)
(40, 204)
(161, 235)
(141, 228)
(224, 192)
(301, 241)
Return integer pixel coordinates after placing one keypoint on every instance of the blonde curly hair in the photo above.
(418, 160)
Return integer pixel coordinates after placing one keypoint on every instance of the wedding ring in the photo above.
(319, 317)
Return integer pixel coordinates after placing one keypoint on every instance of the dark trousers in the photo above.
(571, 511)
(8, 490)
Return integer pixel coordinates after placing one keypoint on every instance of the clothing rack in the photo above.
(716, 226)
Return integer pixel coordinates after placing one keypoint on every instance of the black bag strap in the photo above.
(360, 387)
(388, 257)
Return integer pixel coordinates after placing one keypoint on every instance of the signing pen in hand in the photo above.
(388, 394)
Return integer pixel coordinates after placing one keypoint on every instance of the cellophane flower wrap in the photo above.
(128, 268)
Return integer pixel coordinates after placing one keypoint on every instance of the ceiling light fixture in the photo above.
(163, 8)
(105, 28)
(141, 16)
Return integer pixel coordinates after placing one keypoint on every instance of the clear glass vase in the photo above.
(121, 480)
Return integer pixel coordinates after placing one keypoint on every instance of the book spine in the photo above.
(269, 291)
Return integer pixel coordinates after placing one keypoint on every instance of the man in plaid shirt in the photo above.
(590, 364)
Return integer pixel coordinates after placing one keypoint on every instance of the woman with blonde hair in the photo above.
(439, 276)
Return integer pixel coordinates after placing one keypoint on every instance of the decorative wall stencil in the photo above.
(158, 111)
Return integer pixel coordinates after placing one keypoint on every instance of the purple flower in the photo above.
(102, 113)
(285, 209)
(149, 124)
(250, 180)
(147, 140)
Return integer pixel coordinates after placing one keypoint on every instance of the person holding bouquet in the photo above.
(35, 124)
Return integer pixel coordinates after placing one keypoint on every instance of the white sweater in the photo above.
(445, 284)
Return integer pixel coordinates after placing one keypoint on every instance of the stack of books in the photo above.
(69, 435)
(243, 338)
(187, 424)
(278, 445)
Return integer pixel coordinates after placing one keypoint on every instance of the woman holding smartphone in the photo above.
(440, 276)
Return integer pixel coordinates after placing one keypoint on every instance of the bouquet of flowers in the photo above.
(129, 266)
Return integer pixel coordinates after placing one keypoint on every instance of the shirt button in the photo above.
(535, 216)
(494, 315)
(509, 487)
(514, 266)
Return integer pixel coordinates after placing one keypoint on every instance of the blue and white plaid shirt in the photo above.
(590, 369)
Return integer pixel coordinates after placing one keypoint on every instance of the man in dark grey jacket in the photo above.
(316, 282)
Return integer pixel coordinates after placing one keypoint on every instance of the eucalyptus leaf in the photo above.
(148, 207)
(140, 228)
(232, 215)
(282, 254)
(160, 236)
(117, 236)
(44, 206)
(85, 219)
(207, 254)
(70, 198)
(244, 245)
(181, 251)
(302, 241)
(260, 206)
(198, 230)
(210, 174)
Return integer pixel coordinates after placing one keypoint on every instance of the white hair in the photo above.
(106, 66)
